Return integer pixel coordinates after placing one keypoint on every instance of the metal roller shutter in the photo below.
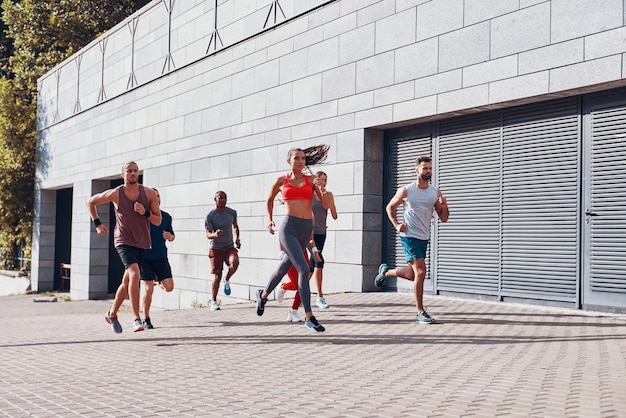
(468, 167)
(608, 200)
(540, 201)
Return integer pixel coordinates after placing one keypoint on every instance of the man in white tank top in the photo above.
(420, 198)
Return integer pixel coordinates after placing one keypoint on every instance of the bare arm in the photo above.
(270, 204)
(441, 207)
(212, 234)
(393, 204)
(107, 196)
(331, 204)
(237, 240)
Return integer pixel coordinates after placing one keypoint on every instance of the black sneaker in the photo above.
(313, 325)
(260, 302)
(379, 281)
(147, 324)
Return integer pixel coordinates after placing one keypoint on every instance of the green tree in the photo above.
(36, 36)
(17, 167)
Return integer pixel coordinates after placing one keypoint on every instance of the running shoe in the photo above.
(280, 294)
(423, 318)
(147, 324)
(379, 281)
(215, 306)
(260, 302)
(226, 287)
(293, 316)
(321, 303)
(138, 325)
(313, 325)
(115, 324)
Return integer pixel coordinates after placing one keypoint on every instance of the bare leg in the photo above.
(215, 287)
(120, 295)
(233, 265)
(419, 269)
(167, 284)
(405, 272)
(147, 297)
(134, 277)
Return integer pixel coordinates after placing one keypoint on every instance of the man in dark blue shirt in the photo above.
(156, 267)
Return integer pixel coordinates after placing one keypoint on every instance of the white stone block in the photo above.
(534, 84)
(413, 109)
(492, 70)
(464, 47)
(586, 73)
(357, 44)
(339, 82)
(395, 31)
(574, 18)
(438, 17)
(481, 10)
(520, 31)
(463, 99)
(374, 72)
(552, 56)
(416, 60)
(307, 91)
(605, 43)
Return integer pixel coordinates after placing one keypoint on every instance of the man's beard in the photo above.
(425, 177)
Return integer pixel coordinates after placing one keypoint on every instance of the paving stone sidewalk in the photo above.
(479, 359)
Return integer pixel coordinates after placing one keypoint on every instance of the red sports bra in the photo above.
(290, 192)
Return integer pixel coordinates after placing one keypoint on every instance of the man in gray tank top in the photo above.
(420, 198)
(136, 207)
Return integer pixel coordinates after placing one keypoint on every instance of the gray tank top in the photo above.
(320, 215)
(418, 211)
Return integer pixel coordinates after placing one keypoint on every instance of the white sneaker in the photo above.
(280, 294)
(215, 306)
(293, 316)
(321, 303)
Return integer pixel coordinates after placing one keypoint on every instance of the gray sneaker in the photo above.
(115, 324)
(423, 318)
(313, 325)
(379, 281)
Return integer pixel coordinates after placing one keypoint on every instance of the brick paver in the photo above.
(479, 359)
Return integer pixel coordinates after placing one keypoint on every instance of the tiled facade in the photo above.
(199, 116)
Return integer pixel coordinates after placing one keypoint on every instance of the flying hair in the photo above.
(313, 155)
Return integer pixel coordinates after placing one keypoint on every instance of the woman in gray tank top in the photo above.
(320, 213)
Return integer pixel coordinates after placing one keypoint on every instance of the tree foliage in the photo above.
(36, 36)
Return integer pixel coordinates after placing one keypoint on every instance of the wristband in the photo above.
(147, 214)
(97, 222)
(314, 249)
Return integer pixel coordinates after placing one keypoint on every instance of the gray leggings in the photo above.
(294, 235)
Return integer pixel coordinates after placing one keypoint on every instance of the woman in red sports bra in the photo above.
(296, 229)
